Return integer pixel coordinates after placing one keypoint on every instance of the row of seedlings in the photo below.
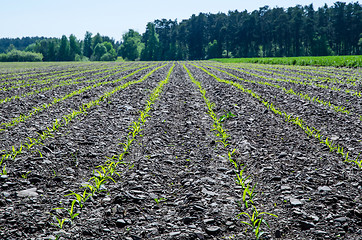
(108, 172)
(28, 82)
(32, 73)
(348, 91)
(75, 81)
(290, 118)
(300, 94)
(332, 73)
(28, 144)
(26, 116)
(250, 209)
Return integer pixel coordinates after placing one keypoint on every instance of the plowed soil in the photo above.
(177, 181)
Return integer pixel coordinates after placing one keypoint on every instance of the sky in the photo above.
(54, 18)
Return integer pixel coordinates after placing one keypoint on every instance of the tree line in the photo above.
(267, 32)
(93, 48)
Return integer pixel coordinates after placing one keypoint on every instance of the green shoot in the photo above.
(71, 210)
(60, 221)
(159, 200)
(250, 193)
(81, 199)
(240, 180)
(3, 172)
(226, 116)
(25, 175)
(255, 221)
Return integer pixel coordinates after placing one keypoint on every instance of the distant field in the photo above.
(337, 61)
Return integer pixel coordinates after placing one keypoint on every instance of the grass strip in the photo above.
(336, 61)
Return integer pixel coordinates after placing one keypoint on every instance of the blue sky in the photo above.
(53, 18)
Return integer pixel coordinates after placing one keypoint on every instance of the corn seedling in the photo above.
(250, 194)
(80, 199)
(230, 154)
(3, 171)
(71, 212)
(256, 219)
(240, 179)
(60, 221)
(25, 175)
(159, 200)
(226, 116)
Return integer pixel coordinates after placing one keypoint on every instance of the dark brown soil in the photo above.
(181, 184)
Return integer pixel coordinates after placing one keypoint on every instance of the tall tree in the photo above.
(87, 45)
(150, 39)
(98, 52)
(131, 46)
(74, 47)
(96, 39)
(63, 53)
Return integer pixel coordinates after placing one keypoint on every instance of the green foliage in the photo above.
(20, 56)
(150, 37)
(87, 45)
(131, 47)
(101, 52)
(74, 47)
(337, 61)
(98, 52)
(64, 50)
(213, 50)
(256, 219)
(96, 40)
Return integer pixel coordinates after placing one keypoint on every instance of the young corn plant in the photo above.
(159, 200)
(80, 198)
(240, 179)
(248, 196)
(25, 175)
(3, 171)
(59, 221)
(232, 161)
(256, 221)
(71, 210)
(226, 116)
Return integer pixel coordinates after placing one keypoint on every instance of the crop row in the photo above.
(36, 110)
(325, 71)
(350, 92)
(31, 73)
(106, 172)
(50, 79)
(302, 95)
(299, 75)
(74, 81)
(250, 209)
(290, 118)
(348, 105)
(28, 144)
